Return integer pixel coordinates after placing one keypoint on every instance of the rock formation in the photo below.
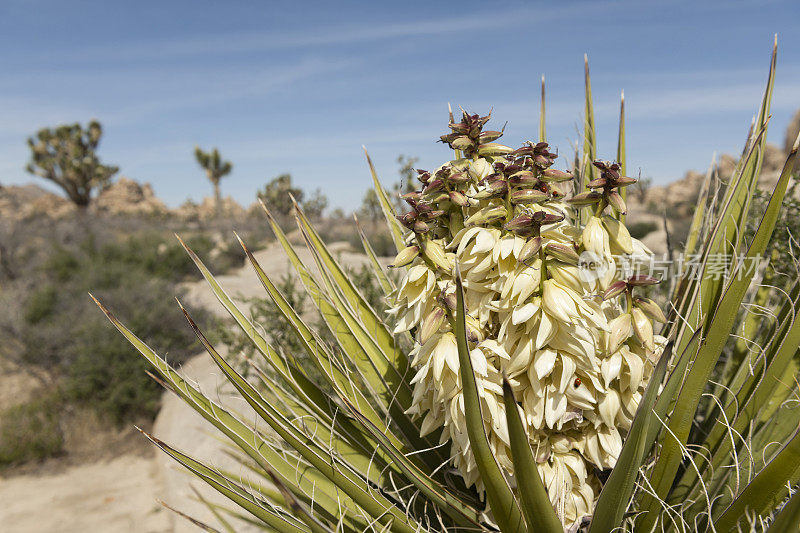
(129, 197)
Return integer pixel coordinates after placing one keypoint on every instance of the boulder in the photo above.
(20, 202)
(128, 197)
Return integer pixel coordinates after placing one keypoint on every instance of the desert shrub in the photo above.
(86, 361)
(364, 279)
(30, 431)
(100, 373)
(265, 314)
(640, 229)
(782, 250)
(379, 238)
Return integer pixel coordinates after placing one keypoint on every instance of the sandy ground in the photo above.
(121, 495)
(109, 496)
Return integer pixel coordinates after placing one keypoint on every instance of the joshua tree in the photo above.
(67, 156)
(215, 169)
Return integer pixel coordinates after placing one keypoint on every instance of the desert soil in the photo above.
(121, 494)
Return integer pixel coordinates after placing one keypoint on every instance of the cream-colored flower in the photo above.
(577, 364)
(595, 238)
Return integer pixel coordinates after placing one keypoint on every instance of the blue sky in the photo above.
(299, 86)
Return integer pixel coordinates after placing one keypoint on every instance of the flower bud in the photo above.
(407, 219)
(449, 300)
(597, 183)
(585, 198)
(543, 160)
(562, 252)
(523, 151)
(616, 201)
(544, 218)
(618, 233)
(624, 181)
(412, 197)
(435, 198)
(609, 168)
(523, 178)
(406, 256)
(458, 198)
(650, 309)
(433, 186)
(430, 215)
(621, 329)
(458, 127)
(488, 194)
(489, 136)
(615, 289)
(521, 222)
(554, 175)
(643, 328)
(431, 324)
(434, 251)
(641, 280)
(530, 249)
(493, 149)
(420, 227)
(458, 178)
(528, 196)
(486, 216)
(461, 142)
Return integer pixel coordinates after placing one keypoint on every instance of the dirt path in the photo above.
(121, 495)
(108, 496)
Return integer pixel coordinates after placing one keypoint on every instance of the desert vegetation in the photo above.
(518, 331)
(117, 240)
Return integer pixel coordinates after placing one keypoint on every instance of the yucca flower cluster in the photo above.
(549, 306)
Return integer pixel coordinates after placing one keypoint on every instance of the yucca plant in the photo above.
(516, 383)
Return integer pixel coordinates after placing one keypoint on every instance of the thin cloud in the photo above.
(365, 31)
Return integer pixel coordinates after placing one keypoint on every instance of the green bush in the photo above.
(265, 314)
(100, 372)
(273, 326)
(30, 432)
(640, 229)
(91, 364)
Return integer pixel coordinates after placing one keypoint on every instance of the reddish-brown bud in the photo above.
(615, 289)
(639, 280)
(528, 196)
(489, 136)
(434, 186)
(552, 174)
(585, 198)
(562, 252)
